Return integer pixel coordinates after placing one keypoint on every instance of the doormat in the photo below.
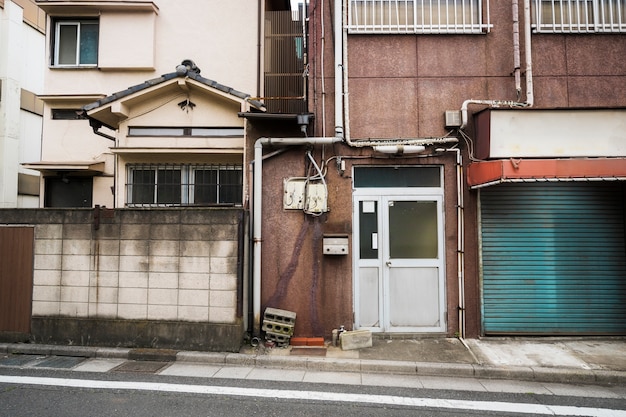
(149, 367)
(306, 351)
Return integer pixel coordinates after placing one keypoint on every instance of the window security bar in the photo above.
(418, 16)
(579, 16)
(166, 185)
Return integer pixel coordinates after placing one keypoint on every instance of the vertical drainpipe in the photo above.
(339, 66)
(530, 98)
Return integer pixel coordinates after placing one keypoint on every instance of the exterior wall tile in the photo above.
(102, 279)
(77, 231)
(195, 248)
(191, 313)
(103, 310)
(48, 246)
(164, 247)
(134, 263)
(165, 231)
(76, 247)
(194, 264)
(163, 280)
(48, 231)
(75, 278)
(222, 298)
(162, 312)
(46, 293)
(162, 296)
(193, 281)
(132, 311)
(103, 295)
(46, 277)
(45, 308)
(223, 248)
(222, 282)
(49, 262)
(106, 263)
(193, 298)
(71, 295)
(76, 262)
(195, 232)
(107, 247)
(133, 280)
(74, 309)
(133, 296)
(222, 315)
(139, 232)
(163, 264)
(223, 265)
(134, 247)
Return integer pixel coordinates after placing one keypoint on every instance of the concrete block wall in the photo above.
(136, 265)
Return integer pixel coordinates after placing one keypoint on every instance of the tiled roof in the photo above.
(182, 73)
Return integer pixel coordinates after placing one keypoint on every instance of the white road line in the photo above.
(504, 407)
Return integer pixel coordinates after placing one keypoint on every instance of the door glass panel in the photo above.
(413, 229)
(422, 176)
(368, 229)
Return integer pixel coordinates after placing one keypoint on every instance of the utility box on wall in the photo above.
(335, 245)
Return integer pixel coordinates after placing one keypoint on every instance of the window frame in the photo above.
(579, 16)
(187, 185)
(56, 42)
(474, 18)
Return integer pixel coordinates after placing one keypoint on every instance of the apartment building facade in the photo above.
(477, 186)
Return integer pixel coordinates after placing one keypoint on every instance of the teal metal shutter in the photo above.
(553, 258)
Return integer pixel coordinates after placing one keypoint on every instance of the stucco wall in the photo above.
(140, 270)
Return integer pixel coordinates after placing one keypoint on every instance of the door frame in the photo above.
(382, 196)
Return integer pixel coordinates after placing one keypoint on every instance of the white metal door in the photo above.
(399, 263)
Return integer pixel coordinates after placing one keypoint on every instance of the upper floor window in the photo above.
(579, 16)
(417, 16)
(176, 185)
(76, 43)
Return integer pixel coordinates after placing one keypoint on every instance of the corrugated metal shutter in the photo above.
(554, 258)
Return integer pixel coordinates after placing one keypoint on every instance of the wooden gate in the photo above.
(16, 278)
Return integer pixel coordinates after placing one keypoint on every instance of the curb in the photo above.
(458, 370)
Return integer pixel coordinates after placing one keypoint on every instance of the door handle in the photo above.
(388, 263)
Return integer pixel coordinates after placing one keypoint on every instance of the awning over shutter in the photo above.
(485, 173)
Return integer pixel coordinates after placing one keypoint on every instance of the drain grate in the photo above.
(18, 360)
(60, 362)
(148, 367)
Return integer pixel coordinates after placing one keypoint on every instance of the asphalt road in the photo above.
(49, 392)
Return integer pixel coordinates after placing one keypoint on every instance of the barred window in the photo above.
(417, 16)
(155, 185)
(579, 16)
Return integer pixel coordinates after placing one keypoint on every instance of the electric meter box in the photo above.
(335, 245)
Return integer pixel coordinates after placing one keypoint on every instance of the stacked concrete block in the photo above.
(278, 325)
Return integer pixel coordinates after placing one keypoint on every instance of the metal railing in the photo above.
(579, 16)
(419, 16)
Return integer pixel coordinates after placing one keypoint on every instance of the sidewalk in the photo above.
(563, 360)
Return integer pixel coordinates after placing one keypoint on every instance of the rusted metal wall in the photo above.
(16, 278)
